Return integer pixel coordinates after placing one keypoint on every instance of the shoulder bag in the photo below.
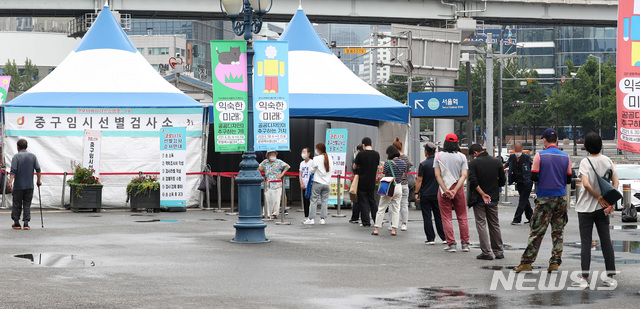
(608, 192)
(387, 184)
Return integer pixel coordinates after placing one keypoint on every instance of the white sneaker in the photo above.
(444, 242)
(609, 282)
(431, 243)
(389, 228)
(582, 283)
(308, 221)
(403, 227)
(322, 221)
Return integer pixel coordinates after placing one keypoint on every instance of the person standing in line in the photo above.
(23, 165)
(427, 196)
(552, 170)
(305, 173)
(519, 165)
(486, 176)
(394, 167)
(322, 171)
(593, 209)
(450, 168)
(366, 163)
(404, 203)
(355, 207)
(274, 169)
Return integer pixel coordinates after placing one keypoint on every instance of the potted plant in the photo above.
(86, 190)
(144, 192)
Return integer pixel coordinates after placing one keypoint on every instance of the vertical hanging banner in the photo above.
(628, 75)
(336, 142)
(229, 67)
(91, 153)
(173, 169)
(4, 88)
(271, 95)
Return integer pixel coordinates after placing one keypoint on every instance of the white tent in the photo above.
(103, 84)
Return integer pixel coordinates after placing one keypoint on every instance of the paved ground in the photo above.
(119, 259)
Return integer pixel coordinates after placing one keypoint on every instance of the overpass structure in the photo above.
(414, 12)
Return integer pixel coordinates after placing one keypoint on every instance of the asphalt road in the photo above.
(119, 259)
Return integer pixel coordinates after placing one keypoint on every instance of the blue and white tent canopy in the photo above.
(104, 70)
(322, 87)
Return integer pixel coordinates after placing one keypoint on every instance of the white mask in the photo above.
(518, 154)
(272, 158)
(317, 153)
(304, 156)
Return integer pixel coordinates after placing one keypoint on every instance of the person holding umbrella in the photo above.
(23, 165)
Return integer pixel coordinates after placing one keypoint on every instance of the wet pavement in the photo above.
(119, 259)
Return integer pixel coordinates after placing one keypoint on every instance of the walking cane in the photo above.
(40, 199)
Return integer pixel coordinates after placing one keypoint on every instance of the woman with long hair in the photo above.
(322, 168)
(594, 210)
(404, 203)
(394, 167)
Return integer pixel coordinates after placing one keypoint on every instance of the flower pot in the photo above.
(91, 198)
(145, 201)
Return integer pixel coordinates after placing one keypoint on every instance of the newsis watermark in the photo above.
(542, 280)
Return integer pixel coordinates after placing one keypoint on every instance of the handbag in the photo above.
(388, 184)
(447, 177)
(203, 183)
(307, 191)
(353, 189)
(608, 192)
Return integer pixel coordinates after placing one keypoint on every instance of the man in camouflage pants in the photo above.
(552, 170)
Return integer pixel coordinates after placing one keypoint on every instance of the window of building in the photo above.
(141, 50)
(158, 50)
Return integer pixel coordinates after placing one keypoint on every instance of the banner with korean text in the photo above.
(271, 96)
(173, 169)
(628, 76)
(91, 153)
(4, 88)
(229, 67)
(336, 143)
(133, 122)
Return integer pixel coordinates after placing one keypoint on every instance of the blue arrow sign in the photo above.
(439, 104)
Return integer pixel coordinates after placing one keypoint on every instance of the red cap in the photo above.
(451, 137)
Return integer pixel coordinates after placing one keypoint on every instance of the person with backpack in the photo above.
(593, 209)
(394, 167)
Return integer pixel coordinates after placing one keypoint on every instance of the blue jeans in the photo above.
(321, 192)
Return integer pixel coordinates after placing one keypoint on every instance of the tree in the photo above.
(21, 81)
(578, 98)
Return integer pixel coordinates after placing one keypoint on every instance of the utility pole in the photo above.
(470, 125)
(500, 101)
(489, 95)
(482, 98)
(373, 57)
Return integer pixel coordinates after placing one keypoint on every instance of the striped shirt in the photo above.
(399, 167)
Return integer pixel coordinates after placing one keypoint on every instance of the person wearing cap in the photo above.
(552, 171)
(519, 164)
(486, 176)
(450, 167)
(427, 195)
(274, 169)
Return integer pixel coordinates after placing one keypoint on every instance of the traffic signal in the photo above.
(515, 105)
(535, 105)
(524, 91)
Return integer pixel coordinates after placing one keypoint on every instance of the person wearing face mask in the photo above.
(520, 173)
(274, 169)
(486, 176)
(305, 172)
(322, 169)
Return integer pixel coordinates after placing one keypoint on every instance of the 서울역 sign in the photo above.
(439, 104)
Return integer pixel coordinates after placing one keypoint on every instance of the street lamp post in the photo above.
(246, 16)
(599, 90)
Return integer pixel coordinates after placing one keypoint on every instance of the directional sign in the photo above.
(354, 50)
(439, 104)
